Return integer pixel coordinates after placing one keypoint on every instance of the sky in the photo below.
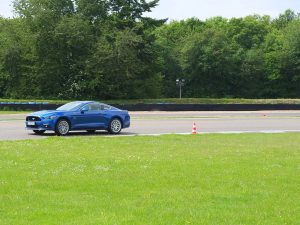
(203, 9)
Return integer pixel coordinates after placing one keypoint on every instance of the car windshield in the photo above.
(70, 106)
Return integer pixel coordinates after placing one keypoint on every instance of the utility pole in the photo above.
(180, 83)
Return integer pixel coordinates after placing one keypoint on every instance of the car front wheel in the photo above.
(115, 126)
(62, 127)
(39, 131)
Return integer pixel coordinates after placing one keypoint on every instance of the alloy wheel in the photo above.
(115, 126)
(63, 127)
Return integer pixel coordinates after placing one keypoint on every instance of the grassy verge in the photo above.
(174, 100)
(210, 179)
(14, 112)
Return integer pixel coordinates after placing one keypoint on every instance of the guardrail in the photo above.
(34, 106)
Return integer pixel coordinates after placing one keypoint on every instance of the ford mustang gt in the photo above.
(89, 116)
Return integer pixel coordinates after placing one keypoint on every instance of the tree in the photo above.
(209, 64)
(17, 60)
(123, 66)
(291, 60)
(78, 42)
(250, 31)
(284, 19)
(109, 49)
(171, 40)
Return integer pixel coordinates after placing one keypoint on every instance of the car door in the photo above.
(90, 117)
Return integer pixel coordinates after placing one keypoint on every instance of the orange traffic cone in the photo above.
(194, 131)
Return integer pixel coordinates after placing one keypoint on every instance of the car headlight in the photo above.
(50, 117)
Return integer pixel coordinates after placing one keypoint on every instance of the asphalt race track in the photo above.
(155, 123)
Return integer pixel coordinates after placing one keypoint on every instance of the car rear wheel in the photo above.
(115, 126)
(39, 131)
(62, 127)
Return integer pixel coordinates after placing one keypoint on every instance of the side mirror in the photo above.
(84, 109)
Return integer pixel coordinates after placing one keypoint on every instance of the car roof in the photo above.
(87, 102)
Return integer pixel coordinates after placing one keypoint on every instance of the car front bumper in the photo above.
(40, 125)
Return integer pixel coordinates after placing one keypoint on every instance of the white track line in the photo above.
(217, 132)
(251, 132)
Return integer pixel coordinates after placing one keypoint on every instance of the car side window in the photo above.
(105, 107)
(94, 107)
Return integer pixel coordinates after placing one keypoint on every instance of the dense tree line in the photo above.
(251, 57)
(108, 49)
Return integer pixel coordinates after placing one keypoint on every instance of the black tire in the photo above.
(91, 131)
(62, 127)
(115, 126)
(39, 132)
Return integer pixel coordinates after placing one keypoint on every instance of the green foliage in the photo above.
(171, 38)
(123, 66)
(250, 57)
(108, 49)
(80, 49)
(17, 60)
(208, 63)
(291, 59)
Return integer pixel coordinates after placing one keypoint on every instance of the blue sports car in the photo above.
(89, 116)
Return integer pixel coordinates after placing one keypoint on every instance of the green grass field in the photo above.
(172, 179)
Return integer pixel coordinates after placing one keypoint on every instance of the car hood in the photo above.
(46, 113)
